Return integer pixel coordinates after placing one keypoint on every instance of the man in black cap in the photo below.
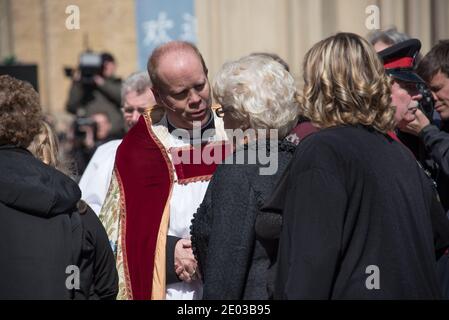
(399, 63)
(432, 145)
(408, 90)
(435, 139)
(434, 70)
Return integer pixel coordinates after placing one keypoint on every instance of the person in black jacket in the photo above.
(256, 93)
(361, 220)
(98, 275)
(99, 93)
(40, 229)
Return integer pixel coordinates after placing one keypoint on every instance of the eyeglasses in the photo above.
(130, 110)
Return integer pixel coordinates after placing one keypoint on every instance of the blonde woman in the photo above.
(359, 214)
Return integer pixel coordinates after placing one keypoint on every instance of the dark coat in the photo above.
(354, 200)
(41, 231)
(436, 142)
(99, 277)
(234, 263)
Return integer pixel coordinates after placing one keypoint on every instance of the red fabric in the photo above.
(194, 163)
(393, 135)
(146, 181)
(303, 129)
(406, 62)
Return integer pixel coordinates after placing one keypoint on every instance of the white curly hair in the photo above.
(259, 93)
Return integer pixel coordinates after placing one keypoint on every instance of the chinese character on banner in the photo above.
(160, 21)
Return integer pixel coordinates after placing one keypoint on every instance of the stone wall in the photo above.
(35, 31)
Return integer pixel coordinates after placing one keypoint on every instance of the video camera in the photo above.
(81, 126)
(90, 64)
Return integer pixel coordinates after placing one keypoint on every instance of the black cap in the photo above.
(399, 60)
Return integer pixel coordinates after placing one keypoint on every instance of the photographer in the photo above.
(434, 69)
(95, 89)
(89, 134)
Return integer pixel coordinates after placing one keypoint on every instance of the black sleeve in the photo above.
(75, 98)
(440, 226)
(437, 144)
(268, 223)
(112, 90)
(105, 277)
(310, 240)
(171, 275)
(201, 227)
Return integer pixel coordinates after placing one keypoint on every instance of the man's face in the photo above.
(103, 125)
(109, 69)
(135, 104)
(440, 90)
(405, 97)
(185, 90)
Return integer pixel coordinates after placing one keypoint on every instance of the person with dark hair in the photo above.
(94, 132)
(360, 217)
(100, 93)
(108, 64)
(40, 232)
(434, 69)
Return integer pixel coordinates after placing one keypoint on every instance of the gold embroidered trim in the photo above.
(158, 291)
(128, 287)
(195, 179)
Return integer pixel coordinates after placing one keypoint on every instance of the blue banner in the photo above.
(160, 21)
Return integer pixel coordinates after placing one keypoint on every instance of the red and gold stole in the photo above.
(146, 175)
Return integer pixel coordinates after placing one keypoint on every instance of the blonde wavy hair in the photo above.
(45, 147)
(345, 84)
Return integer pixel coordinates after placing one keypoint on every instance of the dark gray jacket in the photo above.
(436, 143)
(234, 263)
(43, 236)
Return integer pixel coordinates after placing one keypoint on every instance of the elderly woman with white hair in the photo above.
(256, 93)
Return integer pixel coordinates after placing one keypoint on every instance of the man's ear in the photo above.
(157, 96)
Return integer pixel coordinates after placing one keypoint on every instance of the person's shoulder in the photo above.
(113, 144)
(324, 138)
(90, 220)
(334, 137)
(328, 148)
(108, 147)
